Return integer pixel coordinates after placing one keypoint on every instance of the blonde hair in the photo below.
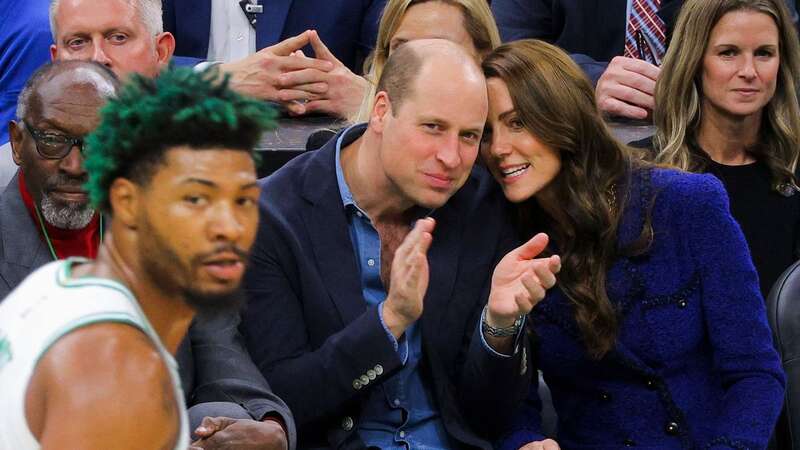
(478, 22)
(678, 97)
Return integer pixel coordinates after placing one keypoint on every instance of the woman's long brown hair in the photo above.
(555, 102)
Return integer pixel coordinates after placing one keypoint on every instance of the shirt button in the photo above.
(402, 434)
(370, 262)
(347, 423)
(396, 402)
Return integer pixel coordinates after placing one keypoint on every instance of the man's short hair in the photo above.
(149, 11)
(399, 74)
(29, 93)
(180, 107)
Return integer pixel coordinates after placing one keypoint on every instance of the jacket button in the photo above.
(347, 423)
(371, 374)
(605, 396)
(357, 384)
(378, 370)
(629, 443)
(672, 429)
(364, 380)
(651, 384)
(682, 303)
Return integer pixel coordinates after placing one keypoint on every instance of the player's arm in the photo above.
(100, 387)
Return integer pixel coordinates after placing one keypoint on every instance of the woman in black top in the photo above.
(730, 107)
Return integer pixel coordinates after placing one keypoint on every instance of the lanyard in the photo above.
(47, 236)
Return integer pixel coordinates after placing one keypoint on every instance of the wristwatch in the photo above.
(510, 330)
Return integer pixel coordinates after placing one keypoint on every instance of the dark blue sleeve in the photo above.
(744, 358)
(526, 425)
(524, 19)
(186, 61)
(593, 69)
(369, 31)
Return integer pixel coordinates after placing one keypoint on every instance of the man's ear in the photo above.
(165, 47)
(381, 110)
(53, 52)
(125, 198)
(15, 135)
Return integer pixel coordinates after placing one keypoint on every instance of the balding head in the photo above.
(426, 122)
(423, 59)
(54, 78)
(59, 105)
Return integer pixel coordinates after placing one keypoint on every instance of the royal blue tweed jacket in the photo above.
(694, 365)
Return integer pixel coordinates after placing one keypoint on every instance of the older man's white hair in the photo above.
(149, 12)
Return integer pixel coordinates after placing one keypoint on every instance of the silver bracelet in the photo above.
(511, 330)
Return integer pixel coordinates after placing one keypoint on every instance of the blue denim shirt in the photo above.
(401, 412)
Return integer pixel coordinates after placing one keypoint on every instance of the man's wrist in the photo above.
(500, 327)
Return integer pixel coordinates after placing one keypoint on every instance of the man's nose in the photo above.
(72, 164)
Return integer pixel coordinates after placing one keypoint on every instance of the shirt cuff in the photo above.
(201, 67)
(516, 338)
(400, 347)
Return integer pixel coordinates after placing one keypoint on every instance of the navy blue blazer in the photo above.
(312, 334)
(348, 27)
(593, 31)
(694, 365)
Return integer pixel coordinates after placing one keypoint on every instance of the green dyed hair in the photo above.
(180, 107)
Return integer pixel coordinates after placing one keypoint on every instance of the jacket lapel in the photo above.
(443, 263)
(328, 229)
(22, 245)
(269, 25)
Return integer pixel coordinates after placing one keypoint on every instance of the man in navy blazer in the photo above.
(376, 329)
(593, 32)
(347, 27)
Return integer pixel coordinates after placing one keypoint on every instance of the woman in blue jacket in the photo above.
(655, 335)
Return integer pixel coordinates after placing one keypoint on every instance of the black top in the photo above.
(770, 221)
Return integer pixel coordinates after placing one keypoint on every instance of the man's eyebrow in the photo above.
(202, 181)
(251, 185)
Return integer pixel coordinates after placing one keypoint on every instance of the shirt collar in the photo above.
(348, 202)
(344, 139)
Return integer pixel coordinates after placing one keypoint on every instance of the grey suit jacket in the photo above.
(21, 249)
(214, 366)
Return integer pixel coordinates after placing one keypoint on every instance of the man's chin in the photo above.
(213, 302)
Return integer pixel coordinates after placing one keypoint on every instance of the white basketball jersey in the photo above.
(47, 306)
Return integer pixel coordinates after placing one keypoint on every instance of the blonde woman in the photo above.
(727, 104)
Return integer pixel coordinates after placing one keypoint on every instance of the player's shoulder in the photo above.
(111, 375)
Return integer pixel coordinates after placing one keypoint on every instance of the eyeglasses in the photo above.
(52, 145)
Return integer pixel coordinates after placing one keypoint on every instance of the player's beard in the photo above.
(171, 275)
